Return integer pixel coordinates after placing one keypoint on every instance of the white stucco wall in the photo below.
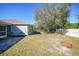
(69, 32)
(19, 30)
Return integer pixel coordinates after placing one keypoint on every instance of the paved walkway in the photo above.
(8, 42)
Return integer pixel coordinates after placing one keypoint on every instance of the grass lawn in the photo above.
(43, 45)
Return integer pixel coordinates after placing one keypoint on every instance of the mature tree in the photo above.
(62, 15)
(52, 16)
(78, 21)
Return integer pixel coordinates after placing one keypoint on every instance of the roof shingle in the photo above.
(11, 22)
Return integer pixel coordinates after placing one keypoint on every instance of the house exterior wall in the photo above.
(30, 30)
(69, 32)
(19, 30)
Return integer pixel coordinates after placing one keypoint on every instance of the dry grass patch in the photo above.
(41, 44)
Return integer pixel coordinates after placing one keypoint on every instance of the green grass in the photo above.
(40, 44)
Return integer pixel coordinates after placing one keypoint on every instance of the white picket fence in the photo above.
(69, 32)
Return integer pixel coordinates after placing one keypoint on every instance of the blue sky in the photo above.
(74, 12)
(26, 12)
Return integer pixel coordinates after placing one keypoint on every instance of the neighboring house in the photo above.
(14, 28)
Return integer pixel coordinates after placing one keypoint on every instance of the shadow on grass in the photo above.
(8, 42)
(34, 33)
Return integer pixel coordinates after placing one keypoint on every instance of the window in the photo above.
(2, 30)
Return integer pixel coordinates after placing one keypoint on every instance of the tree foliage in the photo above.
(78, 21)
(52, 16)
